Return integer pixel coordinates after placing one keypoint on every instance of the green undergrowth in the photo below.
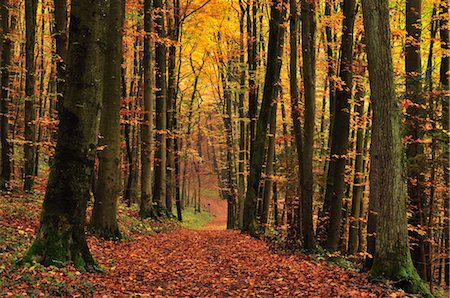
(195, 220)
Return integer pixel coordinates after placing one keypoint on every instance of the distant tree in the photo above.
(60, 238)
(392, 258)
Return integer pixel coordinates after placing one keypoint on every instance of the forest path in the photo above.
(215, 262)
(211, 263)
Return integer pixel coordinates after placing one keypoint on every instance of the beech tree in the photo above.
(104, 213)
(392, 258)
(274, 55)
(30, 110)
(60, 237)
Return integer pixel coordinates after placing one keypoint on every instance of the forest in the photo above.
(224, 148)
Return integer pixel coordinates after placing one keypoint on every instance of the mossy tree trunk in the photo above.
(104, 214)
(30, 78)
(60, 238)
(392, 260)
(274, 61)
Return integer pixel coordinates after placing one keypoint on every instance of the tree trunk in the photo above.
(358, 180)
(5, 171)
(60, 32)
(242, 160)
(340, 130)
(274, 61)
(104, 214)
(295, 113)
(30, 111)
(414, 119)
(160, 162)
(146, 207)
(60, 238)
(392, 257)
(308, 15)
(268, 179)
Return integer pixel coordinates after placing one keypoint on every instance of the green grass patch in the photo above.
(195, 220)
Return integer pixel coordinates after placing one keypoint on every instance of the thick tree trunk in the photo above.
(104, 214)
(5, 171)
(30, 78)
(60, 237)
(340, 130)
(308, 15)
(392, 257)
(274, 61)
(146, 207)
(415, 117)
(160, 162)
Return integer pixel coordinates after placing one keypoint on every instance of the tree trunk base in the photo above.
(104, 232)
(403, 276)
(59, 244)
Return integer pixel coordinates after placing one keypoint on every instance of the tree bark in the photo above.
(340, 130)
(308, 15)
(104, 214)
(160, 162)
(274, 61)
(392, 257)
(5, 171)
(268, 179)
(414, 119)
(146, 206)
(30, 78)
(60, 238)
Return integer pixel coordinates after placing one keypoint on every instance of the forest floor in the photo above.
(208, 261)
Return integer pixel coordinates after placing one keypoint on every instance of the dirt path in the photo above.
(219, 211)
(214, 262)
(217, 263)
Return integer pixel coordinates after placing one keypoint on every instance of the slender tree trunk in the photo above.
(252, 53)
(268, 180)
(242, 160)
(160, 162)
(340, 130)
(60, 32)
(5, 171)
(358, 180)
(60, 237)
(274, 61)
(295, 113)
(146, 207)
(104, 214)
(392, 257)
(30, 78)
(308, 15)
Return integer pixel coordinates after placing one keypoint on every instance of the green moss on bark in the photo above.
(56, 246)
(402, 274)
